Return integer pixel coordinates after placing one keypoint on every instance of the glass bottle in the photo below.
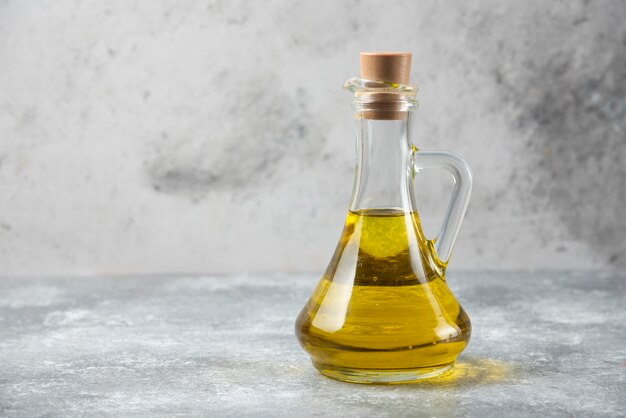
(382, 312)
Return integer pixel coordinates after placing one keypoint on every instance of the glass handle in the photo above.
(458, 167)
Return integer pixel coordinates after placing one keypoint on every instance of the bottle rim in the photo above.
(381, 99)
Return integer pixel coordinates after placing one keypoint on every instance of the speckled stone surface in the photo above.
(544, 344)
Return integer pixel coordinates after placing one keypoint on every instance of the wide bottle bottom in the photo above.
(383, 334)
(382, 312)
(385, 376)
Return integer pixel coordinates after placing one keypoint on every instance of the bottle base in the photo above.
(389, 377)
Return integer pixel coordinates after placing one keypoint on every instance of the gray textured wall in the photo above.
(158, 136)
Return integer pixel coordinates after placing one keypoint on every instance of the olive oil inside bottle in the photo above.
(383, 302)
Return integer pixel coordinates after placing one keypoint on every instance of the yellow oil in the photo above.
(383, 305)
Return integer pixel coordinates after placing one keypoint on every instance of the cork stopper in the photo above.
(392, 67)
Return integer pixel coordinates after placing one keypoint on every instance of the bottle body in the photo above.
(383, 312)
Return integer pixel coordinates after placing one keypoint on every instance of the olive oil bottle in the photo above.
(383, 312)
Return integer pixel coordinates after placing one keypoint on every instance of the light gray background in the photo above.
(188, 137)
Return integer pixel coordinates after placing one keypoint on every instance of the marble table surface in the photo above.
(543, 344)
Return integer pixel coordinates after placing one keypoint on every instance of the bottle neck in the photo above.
(384, 168)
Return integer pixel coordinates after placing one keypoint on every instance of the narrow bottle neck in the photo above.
(383, 178)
